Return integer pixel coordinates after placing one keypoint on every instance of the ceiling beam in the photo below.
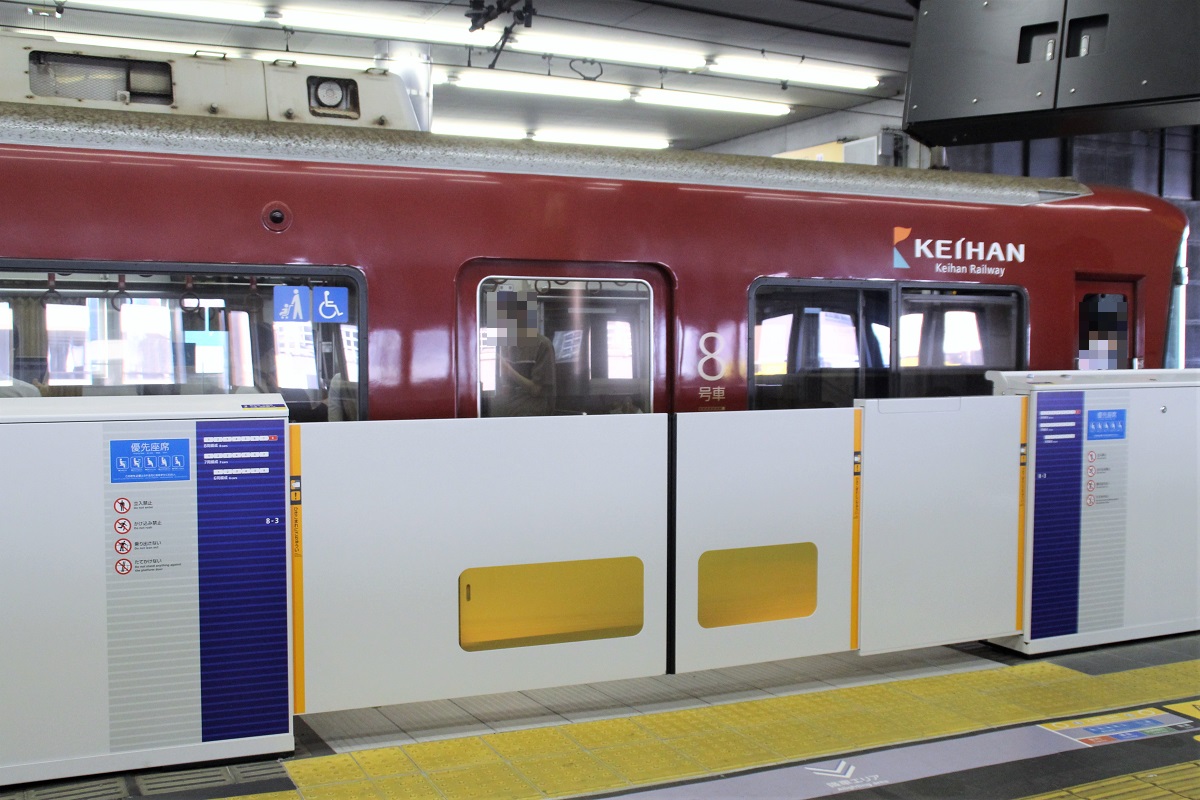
(775, 23)
(873, 12)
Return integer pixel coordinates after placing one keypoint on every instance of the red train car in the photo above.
(365, 273)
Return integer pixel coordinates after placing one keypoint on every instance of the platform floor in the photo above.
(945, 722)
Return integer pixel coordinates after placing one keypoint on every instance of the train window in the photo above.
(8, 384)
(949, 338)
(1103, 331)
(550, 346)
(826, 344)
(819, 345)
(104, 334)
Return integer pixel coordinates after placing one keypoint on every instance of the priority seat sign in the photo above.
(146, 460)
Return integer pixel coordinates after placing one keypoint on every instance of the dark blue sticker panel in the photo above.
(1056, 514)
(241, 496)
(149, 460)
(1106, 424)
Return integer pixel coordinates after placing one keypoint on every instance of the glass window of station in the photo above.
(826, 344)
(564, 347)
(90, 334)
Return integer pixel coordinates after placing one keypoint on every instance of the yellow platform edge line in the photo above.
(297, 524)
(713, 722)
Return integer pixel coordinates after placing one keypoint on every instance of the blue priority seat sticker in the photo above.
(149, 460)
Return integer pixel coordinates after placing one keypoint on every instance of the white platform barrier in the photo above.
(764, 520)
(1114, 515)
(144, 583)
(395, 512)
(446, 558)
(940, 521)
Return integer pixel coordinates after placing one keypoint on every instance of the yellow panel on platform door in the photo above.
(563, 601)
(757, 584)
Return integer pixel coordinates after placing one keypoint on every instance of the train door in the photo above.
(562, 339)
(1107, 315)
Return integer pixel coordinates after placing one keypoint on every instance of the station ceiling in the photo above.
(864, 37)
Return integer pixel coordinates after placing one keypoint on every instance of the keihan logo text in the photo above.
(957, 249)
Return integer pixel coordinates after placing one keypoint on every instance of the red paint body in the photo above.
(414, 232)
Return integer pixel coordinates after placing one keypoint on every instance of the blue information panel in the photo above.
(1106, 424)
(145, 460)
(242, 538)
(1056, 514)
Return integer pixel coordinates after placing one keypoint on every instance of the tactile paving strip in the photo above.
(563, 776)
(407, 787)
(1166, 783)
(384, 762)
(483, 782)
(451, 753)
(1182, 779)
(342, 791)
(324, 770)
(605, 755)
(608, 755)
(650, 762)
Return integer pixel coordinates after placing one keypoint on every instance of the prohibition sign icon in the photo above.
(122, 525)
(123, 566)
(123, 546)
(122, 505)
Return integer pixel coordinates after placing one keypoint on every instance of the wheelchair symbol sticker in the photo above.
(331, 304)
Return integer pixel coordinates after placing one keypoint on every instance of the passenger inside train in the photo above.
(590, 348)
(525, 384)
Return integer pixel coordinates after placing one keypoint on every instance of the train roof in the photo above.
(188, 135)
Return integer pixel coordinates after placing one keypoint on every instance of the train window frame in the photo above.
(645, 385)
(895, 291)
(963, 294)
(176, 275)
(864, 332)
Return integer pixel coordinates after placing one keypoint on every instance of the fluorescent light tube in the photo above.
(603, 138)
(377, 27)
(620, 52)
(526, 83)
(711, 102)
(793, 72)
(448, 127)
(203, 9)
(386, 28)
